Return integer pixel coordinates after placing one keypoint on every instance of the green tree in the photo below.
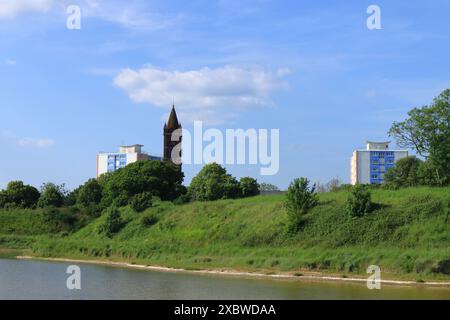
(427, 130)
(112, 223)
(359, 202)
(141, 201)
(161, 178)
(405, 173)
(89, 193)
(248, 186)
(300, 198)
(52, 195)
(213, 183)
(18, 194)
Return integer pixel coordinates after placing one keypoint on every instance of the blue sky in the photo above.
(309, 68)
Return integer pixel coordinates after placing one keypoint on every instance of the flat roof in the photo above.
(374, 142)
(397, 150)
(133, 145)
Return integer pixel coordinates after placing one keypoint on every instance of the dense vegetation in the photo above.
(407, 233)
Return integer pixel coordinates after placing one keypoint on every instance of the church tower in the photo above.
(169, 127)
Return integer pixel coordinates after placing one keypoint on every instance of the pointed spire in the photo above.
(172, 122)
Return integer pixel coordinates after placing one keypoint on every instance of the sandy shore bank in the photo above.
(235, 273)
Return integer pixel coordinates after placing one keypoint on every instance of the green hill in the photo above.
(407, 236)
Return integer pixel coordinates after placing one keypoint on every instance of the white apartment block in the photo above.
(368, 166)
(110, 161)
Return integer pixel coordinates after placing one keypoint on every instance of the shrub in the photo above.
(299, 199)
(149, 219)
(184, 198)
(359, 202)
(61, 219)
(93, 210)
(112, 223)
(442, 266)
(248, 187)
(141, 201)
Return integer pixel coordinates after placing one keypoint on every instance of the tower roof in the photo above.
(172, 122)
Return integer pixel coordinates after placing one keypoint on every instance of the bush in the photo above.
(93, 210)
(184, 198)
(149, 219)
(213, 183)
(61, 219)
(52, 195)
(359, 202)
(112, 223)
(299, 199)
(141, 201)
(248, 187)
(443, 266)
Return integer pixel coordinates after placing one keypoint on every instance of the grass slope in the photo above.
(408, 235)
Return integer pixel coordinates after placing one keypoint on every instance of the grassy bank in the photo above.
(408, 236)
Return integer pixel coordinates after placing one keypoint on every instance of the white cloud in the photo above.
(211, 92)
(26, 142)
(11, 8)
(10, 62)
(35, 143)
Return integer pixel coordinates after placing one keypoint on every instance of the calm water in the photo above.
(24, 279)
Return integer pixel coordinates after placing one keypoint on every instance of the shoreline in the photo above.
(244, 274)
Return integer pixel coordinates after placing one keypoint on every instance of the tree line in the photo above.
(137, 184)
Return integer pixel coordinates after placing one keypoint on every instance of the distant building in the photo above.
(111, 161)
(368, 166)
